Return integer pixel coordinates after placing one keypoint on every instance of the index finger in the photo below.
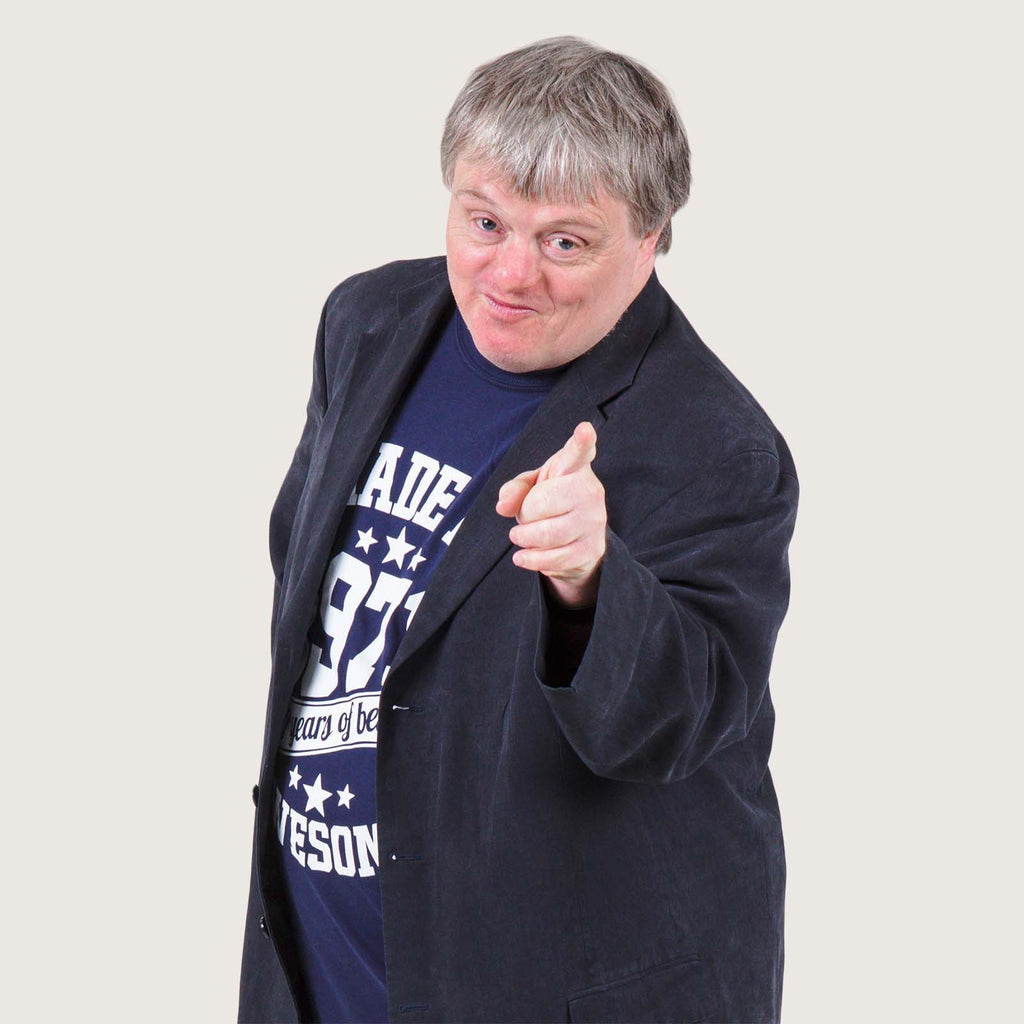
(579, 451)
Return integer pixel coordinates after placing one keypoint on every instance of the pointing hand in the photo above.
(560, 519)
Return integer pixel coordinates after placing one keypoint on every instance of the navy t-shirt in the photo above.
(439, 448)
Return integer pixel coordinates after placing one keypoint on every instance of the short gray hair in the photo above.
(561, 117)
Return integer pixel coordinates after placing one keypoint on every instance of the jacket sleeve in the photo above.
(689, 604)
(282, 516)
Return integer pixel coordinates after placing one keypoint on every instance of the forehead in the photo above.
(482, 182)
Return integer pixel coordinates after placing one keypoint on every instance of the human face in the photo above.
(539, 283)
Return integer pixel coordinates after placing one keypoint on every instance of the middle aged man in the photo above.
(535, 789)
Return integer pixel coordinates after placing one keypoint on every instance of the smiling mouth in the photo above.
(507, 310)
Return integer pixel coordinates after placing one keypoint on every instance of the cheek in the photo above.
(567, 297)
(466, 261)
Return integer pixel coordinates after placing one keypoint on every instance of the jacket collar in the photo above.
(377, 368)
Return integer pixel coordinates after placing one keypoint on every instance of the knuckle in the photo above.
(538, 504)
(555, 564)
(569, 559)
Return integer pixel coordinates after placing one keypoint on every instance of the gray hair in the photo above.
(561, 117)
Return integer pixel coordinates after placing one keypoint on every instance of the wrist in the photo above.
(573, 595)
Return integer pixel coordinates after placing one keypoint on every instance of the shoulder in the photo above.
(709, 414)
(369, 298)
(687, 430)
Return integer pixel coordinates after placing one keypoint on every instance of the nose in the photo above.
(518, 265)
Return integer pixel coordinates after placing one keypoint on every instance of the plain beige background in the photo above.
(184, 183)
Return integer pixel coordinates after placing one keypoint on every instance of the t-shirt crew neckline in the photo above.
(530, 380)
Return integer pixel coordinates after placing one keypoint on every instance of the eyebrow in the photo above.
(475, 194)
(472, 193)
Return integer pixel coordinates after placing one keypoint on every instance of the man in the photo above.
(536, 788)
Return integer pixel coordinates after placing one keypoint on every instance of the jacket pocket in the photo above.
(674, 992)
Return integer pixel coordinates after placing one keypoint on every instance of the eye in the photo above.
(562, 244)
(486, 224)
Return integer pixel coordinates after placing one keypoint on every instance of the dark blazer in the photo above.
(608, 850)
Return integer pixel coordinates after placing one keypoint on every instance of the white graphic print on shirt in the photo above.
(357, 584)
(371, 591)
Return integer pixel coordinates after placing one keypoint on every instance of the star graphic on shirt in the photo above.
(294, 776)
(345, 796)
(398, 548)
(414, 562)
(366, 539)
(316, 795)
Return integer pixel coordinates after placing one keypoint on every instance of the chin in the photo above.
(504, 346)
(504, 353)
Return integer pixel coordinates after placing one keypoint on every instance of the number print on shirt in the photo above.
(366, 602)
(349, 587)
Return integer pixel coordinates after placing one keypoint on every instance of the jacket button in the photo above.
(255, 796)
(264, 928)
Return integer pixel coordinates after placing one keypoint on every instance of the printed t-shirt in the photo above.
(439, 448)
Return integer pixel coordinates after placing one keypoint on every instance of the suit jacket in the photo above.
(607, 850)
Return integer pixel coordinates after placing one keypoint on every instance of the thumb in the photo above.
(513, 493)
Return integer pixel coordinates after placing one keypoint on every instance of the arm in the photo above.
(688, 608)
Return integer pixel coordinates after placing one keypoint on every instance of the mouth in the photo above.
(506, 310)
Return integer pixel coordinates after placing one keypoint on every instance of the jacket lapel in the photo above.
(582, 393)
(379, 369)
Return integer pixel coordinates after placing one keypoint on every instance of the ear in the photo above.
(649, 243)
(648, 248)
